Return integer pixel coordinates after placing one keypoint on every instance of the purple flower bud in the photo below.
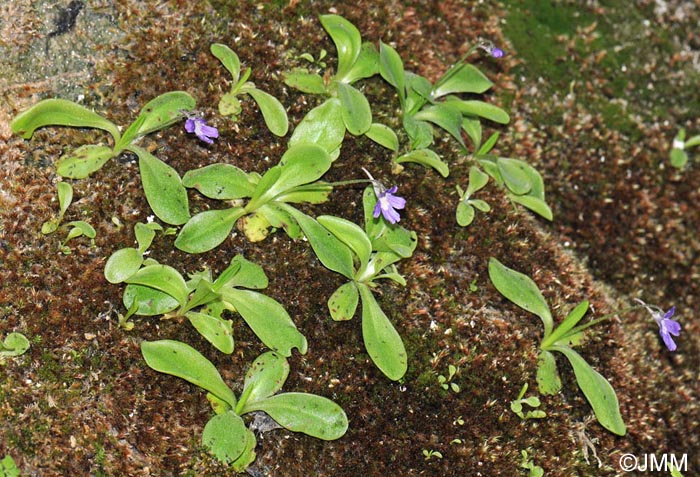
(667, 326)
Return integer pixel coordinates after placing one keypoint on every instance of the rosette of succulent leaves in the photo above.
(226, 435)
(521, 290)
(272, 110)
(363, 257)
(156, 289)
(162, 186)
(423, 105)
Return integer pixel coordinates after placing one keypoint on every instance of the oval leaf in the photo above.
(343, 302)
(265, 377)
(357, 114)
(464, 78)
(60, 112)
(183, 361)
(163, 188)
(83, 161)
(215, 330)
(272, 110)
(322, 126)
(268, 320)
(521, 290)
(220, 181)
(548, 381)
(391, 69)
(207, 230)
(598, 391)
(350, 234)
(122, 264)
(428, 158)
(347, 41)
(228, 58)
(308, 413)
(164, 278)
(384, 136)
(383, 343)
(226, 437)
(150, 301)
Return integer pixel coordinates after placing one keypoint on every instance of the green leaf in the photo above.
(265, 377)
(59, 112)
(122, 264)
(315, 193)
(350, 234)
(80, 227)
(535, 204)
(226, 437)
(521, 290)
(220, 181)
(428, 158)
(356, 112)
(163, 188)
(382, 342)
(569, 322)
(272, 110)
(489, 144)
(157, 114)
(228, 58)
(464, 214)
(480, 109)
(301, 80)
(150, 301)
(472, 127)
(332, 253)
(230, 105)
(679, 158)
(477, 180)
(366, 65)
(343, 302)
(391, 69)
(163, 278)
(598, 391)
(548, 381)
(82, 162)
(14, 344)
(207, 230)
(347, 41)
(515, 178)
(464, 79)
(445, 116)
(183, 361)
(247, 274)
(268, 320)
(384, 136)
(215, 330)
(300, 164)
(65, 196)
(300, 412)
(322, 126)
(280, 219)
(480, 205)
(419, 132)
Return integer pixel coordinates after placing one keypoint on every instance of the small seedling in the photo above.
(226, 435)
(65, 197)
(679, 156)
(446, 382)
(272, 110)
(76, 229)
(14, 344)
(533, 401)
(466, 207)
(526, 463)
(431, 454)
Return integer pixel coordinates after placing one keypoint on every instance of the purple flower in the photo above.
(387, 202)
(491, 49)
(200, 128)
(667, 326)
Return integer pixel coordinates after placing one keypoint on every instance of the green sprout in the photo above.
(431, 454)
(526, 463)
(533, 401)
(446, 382)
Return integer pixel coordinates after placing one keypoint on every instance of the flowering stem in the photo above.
(581, 328)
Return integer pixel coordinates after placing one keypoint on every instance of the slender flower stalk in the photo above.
(201, 129)
(387, 201)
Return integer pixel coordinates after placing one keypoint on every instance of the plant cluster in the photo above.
(260, 204)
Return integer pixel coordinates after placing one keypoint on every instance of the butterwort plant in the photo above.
(156, 289)
(256, 203)
(226, 435)
(679, 156)
(521, 290)
(162, 185)
(364, 256)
